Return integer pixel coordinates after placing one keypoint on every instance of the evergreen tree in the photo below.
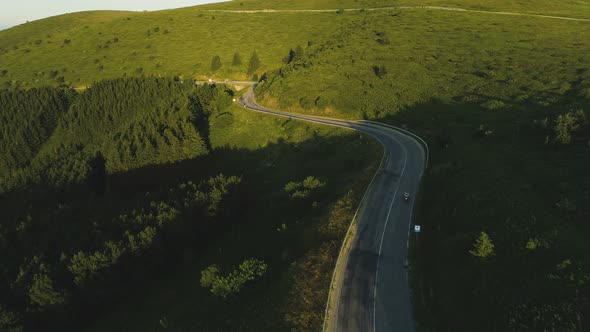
(42, 292)
(296, 54)
(483, 246)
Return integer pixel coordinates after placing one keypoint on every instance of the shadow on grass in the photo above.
(65, 221)
(501, 172)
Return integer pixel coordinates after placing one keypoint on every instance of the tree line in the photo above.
(117, 125)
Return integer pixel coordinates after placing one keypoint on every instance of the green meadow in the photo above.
(79, 49)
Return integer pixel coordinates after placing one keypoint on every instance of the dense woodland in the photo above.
(115, 126)
(69, 247)
(27, 120)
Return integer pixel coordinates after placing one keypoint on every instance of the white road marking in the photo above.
(383, 234)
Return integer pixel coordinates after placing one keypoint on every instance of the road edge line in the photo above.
(346, 239)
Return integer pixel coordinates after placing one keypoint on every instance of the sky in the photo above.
(14, 12)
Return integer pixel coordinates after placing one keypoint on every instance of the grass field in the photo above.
(478, 58)
(78, 49)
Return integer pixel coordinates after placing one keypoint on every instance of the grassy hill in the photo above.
(502, 100)
(81, 48)
(387, 61)
(78, 49)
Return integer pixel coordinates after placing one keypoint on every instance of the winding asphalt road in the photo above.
(370, 290)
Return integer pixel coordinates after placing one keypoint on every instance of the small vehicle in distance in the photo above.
(406, 196)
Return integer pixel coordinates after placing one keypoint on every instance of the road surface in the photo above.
(453, 9)
(370, 290)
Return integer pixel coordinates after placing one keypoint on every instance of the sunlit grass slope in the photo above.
(381, 62)
(78, 49)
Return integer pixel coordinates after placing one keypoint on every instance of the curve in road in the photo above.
(370, 290)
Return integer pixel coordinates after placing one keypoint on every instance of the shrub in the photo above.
(8, 320)
(308, 186)
(493, 105)
(250, 270)
(383, 41)
(566, 124)
(483, 246)
(380, 72)
(42, 292)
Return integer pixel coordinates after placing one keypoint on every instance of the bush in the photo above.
(380, 72)
(566, 124)
(42, 292)
(493, 105)
(8, 321)
(483, 246)
(306, 188)
(250, 270)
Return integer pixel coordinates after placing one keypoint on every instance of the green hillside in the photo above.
(387, 61)
(79, 49)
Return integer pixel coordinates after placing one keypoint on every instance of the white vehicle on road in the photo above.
(406, 196)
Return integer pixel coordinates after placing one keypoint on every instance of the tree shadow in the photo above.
(501, 171)
(72, 218)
